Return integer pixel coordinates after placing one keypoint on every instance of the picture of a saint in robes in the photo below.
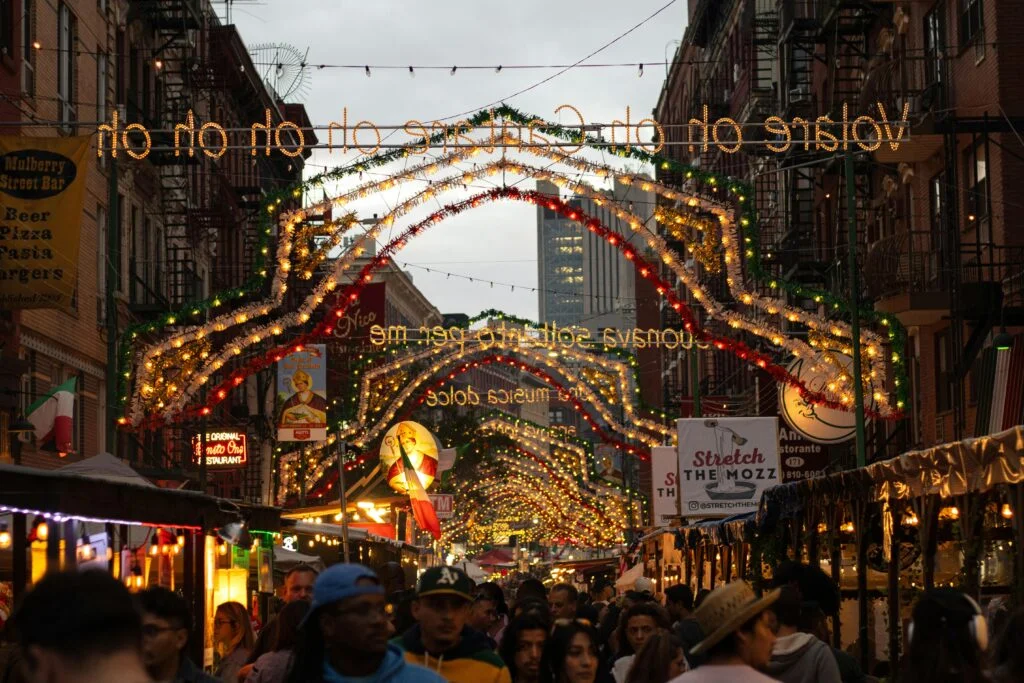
(303, 408)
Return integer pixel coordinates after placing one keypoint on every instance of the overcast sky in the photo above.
(495, 242)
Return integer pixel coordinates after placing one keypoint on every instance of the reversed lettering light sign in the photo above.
(223, 449)
(726, 463)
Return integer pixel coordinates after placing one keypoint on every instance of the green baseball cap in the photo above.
(445, 581)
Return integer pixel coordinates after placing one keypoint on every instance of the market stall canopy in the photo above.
(970, 466)
(472, 570)
(493, 558)
(628, 579)
(285, 559)
(105, 466)
(79, 496)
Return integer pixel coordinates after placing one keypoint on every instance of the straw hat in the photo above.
(727, 608)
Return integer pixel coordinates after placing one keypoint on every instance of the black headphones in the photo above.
(977, 625)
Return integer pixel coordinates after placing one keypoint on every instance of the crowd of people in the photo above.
(351, 625)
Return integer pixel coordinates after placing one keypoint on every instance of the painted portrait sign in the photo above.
(302, 395)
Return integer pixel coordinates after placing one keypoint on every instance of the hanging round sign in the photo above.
(421, 447)
(816, 423)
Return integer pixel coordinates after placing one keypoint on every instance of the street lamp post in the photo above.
(343, 495)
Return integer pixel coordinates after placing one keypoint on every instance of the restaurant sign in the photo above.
(223, 449)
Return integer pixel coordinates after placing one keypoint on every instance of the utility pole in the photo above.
(694, 379)
(344, 499)
(113, 274)
(858, 388)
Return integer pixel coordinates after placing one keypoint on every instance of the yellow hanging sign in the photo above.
(42, 189)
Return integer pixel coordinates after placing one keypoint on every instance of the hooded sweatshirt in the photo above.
(470, 661)
(802, 658)
(394, 669)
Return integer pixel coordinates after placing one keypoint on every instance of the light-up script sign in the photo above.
(468, 396)
(548, 336)
(223, 449)
(210, 138)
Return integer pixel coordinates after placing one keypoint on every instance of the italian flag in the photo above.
(422, 507)
(53, 417)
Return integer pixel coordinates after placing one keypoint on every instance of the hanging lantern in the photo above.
(421, 447)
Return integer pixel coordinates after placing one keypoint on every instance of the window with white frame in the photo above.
(28, 49)
(66, 71)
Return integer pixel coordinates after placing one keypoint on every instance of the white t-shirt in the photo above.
(733, 673)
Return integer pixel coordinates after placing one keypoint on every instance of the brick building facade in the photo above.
(186, 226)
(939, 244)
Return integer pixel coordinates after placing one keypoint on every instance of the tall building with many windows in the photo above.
(938, 240)
(609, 280)
(559, 264)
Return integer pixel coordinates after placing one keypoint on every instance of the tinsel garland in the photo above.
(352, 294)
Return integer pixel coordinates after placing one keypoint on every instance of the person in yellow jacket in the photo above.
(440, 640)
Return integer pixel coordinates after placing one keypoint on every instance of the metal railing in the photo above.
(914, 261)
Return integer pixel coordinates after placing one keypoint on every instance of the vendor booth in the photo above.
(100, 514)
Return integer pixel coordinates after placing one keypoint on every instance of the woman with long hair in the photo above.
(570, 654)
(233, 638)
(660, 660)
(947, 640)
(272, 667)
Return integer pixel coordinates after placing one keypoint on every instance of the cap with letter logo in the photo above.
(445, 581)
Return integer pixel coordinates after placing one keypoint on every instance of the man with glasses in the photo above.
(344, 636)
(165, 627)
(442, 640)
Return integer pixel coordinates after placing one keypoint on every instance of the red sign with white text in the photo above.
(223, 449)
(352, 330)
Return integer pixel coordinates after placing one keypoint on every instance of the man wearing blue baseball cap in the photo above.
(344, 636)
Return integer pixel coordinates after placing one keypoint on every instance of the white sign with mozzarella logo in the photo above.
(814, 422)
(664, 484)
(725, 463)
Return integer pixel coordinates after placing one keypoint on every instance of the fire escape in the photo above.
(177, 26)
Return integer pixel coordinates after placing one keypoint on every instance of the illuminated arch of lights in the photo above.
(191, 350)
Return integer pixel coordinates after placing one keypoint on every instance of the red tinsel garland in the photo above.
(646, 270)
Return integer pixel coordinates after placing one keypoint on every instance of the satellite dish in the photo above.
(283, 69)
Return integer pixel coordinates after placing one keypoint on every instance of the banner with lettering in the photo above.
(352, 331)
(42, 189)
(664, 485)
(725, 463)
(302, 395)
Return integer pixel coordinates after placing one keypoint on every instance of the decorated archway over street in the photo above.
(171, 375)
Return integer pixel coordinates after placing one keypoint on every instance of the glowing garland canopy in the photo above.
(251, 328)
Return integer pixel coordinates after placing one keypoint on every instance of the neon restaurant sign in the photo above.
(223, 449)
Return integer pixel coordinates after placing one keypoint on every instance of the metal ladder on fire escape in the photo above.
(175, 23)
(845, 33)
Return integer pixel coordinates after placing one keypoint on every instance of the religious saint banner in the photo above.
(302, 395)
(42, 189)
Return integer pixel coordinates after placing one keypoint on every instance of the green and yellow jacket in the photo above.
(471, 661)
